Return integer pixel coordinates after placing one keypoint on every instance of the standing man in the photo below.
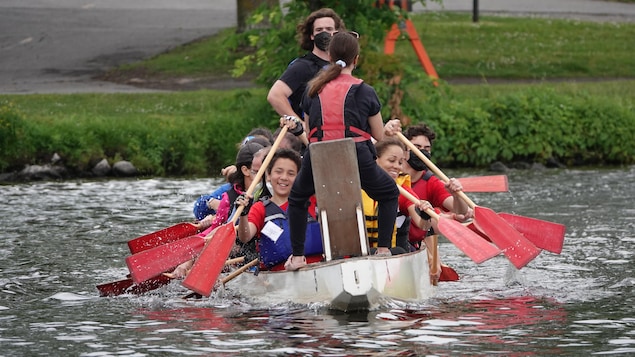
(314, 35)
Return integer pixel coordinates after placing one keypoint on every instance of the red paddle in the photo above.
(448, 274)
(544, 234)
(140, 244)
(127, 286)
(152, 262)
(208, 266)
(163, 236)
(494, 183)
(518, 249)
(467, 241)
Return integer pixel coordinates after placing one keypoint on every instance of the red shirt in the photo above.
(433, 190)
(405, 203)
(257, 212)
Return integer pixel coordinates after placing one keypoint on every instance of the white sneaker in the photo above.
(295, 264)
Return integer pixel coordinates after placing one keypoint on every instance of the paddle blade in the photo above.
(473, 228)
(152, 262)
(467, 241)
(115, 288)
(210, 263)
(543, 234)
(448, 274)
(163, 236)
(127, 286)
(518, 249)
(494, 183)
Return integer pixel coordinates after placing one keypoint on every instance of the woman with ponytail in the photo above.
(338, 105)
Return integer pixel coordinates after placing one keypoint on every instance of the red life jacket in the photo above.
(337, 119)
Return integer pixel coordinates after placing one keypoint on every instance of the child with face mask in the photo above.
(427, 186)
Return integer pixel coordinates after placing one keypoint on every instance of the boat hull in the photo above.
(352, 284)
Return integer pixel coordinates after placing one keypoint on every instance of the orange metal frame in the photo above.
(415, 41)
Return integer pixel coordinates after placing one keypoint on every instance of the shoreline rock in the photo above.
(57, 171)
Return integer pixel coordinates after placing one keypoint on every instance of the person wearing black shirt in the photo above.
(314, 35)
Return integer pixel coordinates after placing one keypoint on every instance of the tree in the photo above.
(271, 43)
(245, 8)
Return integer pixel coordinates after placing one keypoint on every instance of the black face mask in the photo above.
(321, 40)
(416, 163)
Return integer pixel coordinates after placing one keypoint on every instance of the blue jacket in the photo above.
(200, 206)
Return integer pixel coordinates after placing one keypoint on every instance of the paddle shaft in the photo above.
(435, 258)
(450, 274)
(239, 271)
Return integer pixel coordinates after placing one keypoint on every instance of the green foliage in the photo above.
(191, 133)
(11, 133)
(273, 39)
(528, 47)
(196, 133)
(531, 124)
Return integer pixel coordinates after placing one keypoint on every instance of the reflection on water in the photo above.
(60, 239)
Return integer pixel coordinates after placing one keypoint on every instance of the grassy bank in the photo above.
(586, 122)
(495, 47)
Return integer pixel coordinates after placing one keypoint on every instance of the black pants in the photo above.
(374, 180)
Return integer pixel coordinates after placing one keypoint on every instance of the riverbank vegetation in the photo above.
(511, 89)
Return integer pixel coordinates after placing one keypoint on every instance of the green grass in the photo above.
(580, 108)
(202, 57)
(620, 90)
(496, 47)
(509, 47)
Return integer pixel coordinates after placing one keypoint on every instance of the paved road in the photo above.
(597, 10)
(58, 46)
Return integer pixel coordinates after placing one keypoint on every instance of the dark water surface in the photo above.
(60, 239)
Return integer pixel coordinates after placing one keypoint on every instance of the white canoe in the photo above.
(352, 284)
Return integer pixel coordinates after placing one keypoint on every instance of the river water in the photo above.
(60, 239)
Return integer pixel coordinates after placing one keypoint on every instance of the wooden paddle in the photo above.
(202, 277)
(518, 249)
(467, 241)
(493, 183)
(239, 271)
(163, 236)
(435, 258)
